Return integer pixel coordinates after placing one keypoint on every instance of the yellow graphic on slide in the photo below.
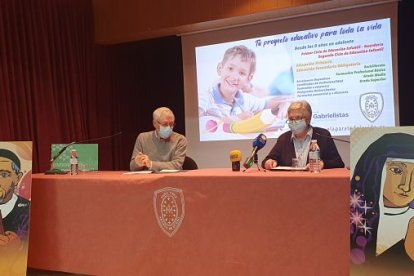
(262, 121)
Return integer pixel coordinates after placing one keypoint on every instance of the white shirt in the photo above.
(6, 208)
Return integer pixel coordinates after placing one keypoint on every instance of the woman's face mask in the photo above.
(165, 131)
(297, 126)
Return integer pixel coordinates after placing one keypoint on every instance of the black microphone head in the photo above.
(260, 141)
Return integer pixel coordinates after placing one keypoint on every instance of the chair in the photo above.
(189, 164)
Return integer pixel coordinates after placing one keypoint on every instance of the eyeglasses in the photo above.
(293, 121)
(172, 124)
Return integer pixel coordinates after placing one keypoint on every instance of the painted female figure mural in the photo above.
(382, 205)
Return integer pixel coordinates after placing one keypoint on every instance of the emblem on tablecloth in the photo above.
(371, 105)
(169, 209)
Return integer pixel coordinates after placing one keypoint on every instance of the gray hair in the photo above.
(162, 111)
(302, 106)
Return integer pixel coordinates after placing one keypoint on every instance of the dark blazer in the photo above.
(284, 150)
(18, 219)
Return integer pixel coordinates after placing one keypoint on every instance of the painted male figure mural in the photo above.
(14, 208)
(14, 215)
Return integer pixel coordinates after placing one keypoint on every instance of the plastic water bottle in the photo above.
(74, 164)
(314, 157)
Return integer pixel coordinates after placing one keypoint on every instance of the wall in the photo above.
(118, 21)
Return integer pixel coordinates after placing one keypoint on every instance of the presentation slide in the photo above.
(345, 72)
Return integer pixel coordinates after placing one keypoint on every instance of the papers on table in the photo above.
(286, 168)
(147, 172)
(169, 171)
(138, 172)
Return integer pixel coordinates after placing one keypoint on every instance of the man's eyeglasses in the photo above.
(296, 120)
(172, 124)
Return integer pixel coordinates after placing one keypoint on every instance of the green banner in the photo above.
(87, 156)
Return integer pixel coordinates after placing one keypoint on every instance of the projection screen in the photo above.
(343, 62)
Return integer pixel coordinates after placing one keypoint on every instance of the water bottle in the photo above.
(74, 165)
(314, 157)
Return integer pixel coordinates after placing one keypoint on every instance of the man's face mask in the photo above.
(297, 126)
(165, 131)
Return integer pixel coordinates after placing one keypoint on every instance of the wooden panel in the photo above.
(284, 3)
(127, 20)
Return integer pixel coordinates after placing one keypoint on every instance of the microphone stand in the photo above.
(249, 162)
(52, 161)
(255, 160)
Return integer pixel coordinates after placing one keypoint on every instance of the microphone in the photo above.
(330, 137)
(258, 143)
(62, 150)
(56, 156)
(235, 158)
(335, 139)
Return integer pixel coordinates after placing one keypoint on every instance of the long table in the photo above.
(201, 222)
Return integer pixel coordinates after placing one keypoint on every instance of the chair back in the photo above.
(189, 164)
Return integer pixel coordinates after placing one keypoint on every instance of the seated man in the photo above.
(162, 148)
(295, 143)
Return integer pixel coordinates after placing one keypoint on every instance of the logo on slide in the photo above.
(371, 105)
(169, 209)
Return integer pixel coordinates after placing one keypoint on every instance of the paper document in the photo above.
(169, 171)
(138, 172)
(286, 168)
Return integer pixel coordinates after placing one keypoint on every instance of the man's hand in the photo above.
(270, 163)
(143, 160)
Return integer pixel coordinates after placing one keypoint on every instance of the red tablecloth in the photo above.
(235, 223)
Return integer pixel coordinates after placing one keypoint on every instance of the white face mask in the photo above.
(165, 132)
(297, 126)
